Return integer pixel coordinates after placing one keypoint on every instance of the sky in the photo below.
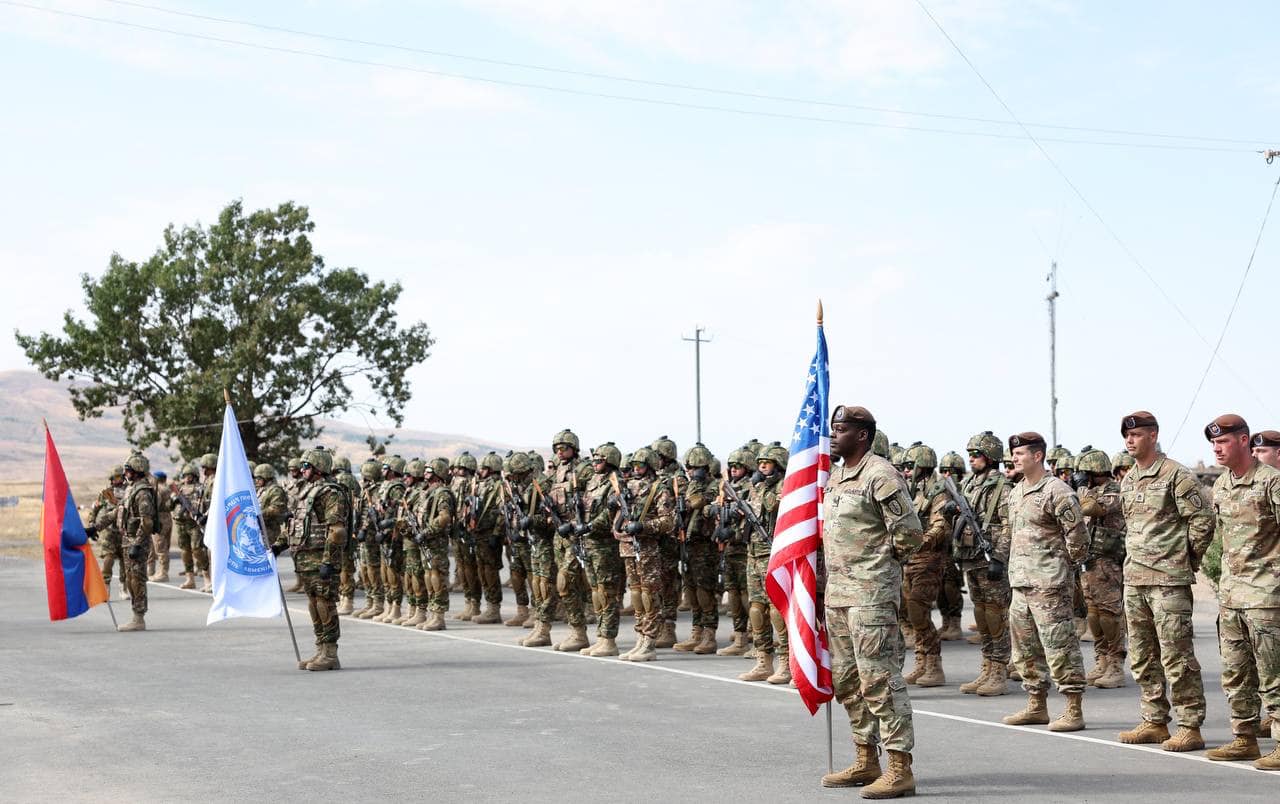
(562, 233)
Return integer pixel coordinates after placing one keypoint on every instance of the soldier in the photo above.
(137, 520)
(600, 506)
(670, 474)
(1266, 447)
(466, 572)
(208, 468)
(1046, 541)
(1246, 499)
(870, 529)
(366, 517)
(390, 493)
(485, 527)
(292, 482)
(160, 557)
(317, 536)
(951, 593)
(531, 485)
(520, 574)
(651, 507)
(898, 457)
(702, 559)
(1103, 576)
(922, 574)
(273, 502)
(406, 517)
(766, 621)
(102, 517)
(435, 511)
(347, 583)
(733, 534)
(987, 492)
(1168, 528)
(1121, 464)
(564, 488)
(183, 499)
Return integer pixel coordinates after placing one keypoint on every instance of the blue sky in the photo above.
(560, 245)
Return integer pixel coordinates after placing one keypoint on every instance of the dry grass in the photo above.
(20, 525)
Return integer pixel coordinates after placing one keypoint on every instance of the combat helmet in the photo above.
(609, 453)
(370, 469)
(585, 471)
(565, 436)
(744, 457)
(777, 453)
(188, 468)
(416, 468)
(1056, 455)
(319, 458)
(209, 460)
(467, 461)
(294, 463)
(440, 468)
(922, 456)
(139, 463)
(395, 463)
(342, 464)
(645, 456)
(665, 447)
(265, 471)
(880, 444)
(897, 455)
(753, 446)
(715, 469)
(1094, 461)
(491, 461)
(954, 462)
(1122, 460)
(116, 471)
(988, 444)
(518, 463)
(698, 456)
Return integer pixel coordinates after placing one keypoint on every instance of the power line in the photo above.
(661, 84)
(1080, 195)
(607, 95)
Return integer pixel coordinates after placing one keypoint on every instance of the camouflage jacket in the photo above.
(137, 516)
(741, 528)
(435, 507)
(698, 494)
(365, 510)
(1247, 510)
(164, 505)
(595, 500)
(1046, 534)
(460, 488)
(291, 484)
(563, 483)
(929, 499)
(406, 512)
(273, 503)
(652, 501)
(988, 496)
(1104, 520)
(488, 520)
(103, 514)
(317, 534)
(193, 492)
(763, 500)
(870, 528)
(390, 493)
(531, 490)
(1168, 524)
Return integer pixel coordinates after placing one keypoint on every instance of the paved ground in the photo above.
(186, 713)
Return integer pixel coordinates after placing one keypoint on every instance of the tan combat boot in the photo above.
(577, 640)
(604, 646)
(540, 638)
(1186, 738)
(492, 615)
(434, 622)
(1072, 718)
(666, 636)
(468, 611)
(932, 675)
(1011, 671)
(735, 648)
(685, 597)
(368, 604)
(1145, 733)
(392, 614)
(345, 605)
(1036, 712)
(685, 646)
(996, 682)
(917, 669)
(864, 770)
(1271, 762)
(419, 617)
(763, 669)
(708, 644)
(1099, 669)
(517, 620)
(531, 620)
(950, 630)
(406, 616)
(896, 781)
(189, 581)
(302, 663)
(783, 674)
(208, 583)
(136, 624)
(372, 612)
(1241, 748)
(328, 658)
(643, 652)
(1082, 630)
(971, 687)
(1113, 676)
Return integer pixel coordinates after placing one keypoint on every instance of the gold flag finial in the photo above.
(226, 395)
(819, 312)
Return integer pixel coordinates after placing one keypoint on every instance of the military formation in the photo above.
(1052, 549)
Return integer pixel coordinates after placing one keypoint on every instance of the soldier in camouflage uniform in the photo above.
(922, 575)
(186, 528)
(317, 536)
(1103, 577)
(766, 621)
(651, 507)
(1246, 502)
(208, 468)
(137, 519)
(1121, 463)
(103, 519)
(600, 506)
(435, 511)
(563, 486)
(532, 486)
(951, 593)
(733, 534)
(160, 554)
(390, 493)
(1046, 542)
(466, 571)
(669, 473)
(703, 559)
(347, 584)
(870, 529)
(414, 575)
(520, 573)
(486, 529)
(366, 518)
(292, 481)
(273, 502)
(1168, 527)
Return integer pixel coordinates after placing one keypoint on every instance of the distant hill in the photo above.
(89, 448)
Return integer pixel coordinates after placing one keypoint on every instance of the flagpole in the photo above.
(112, 612)
(831, 760)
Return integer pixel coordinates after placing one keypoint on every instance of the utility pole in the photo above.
(697, 340)
(1052, 298)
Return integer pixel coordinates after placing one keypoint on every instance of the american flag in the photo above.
(792, 582)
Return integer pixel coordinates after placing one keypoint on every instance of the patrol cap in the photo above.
(1225, 424)
(160, 474)
(1139, 418)
(1030, 439)
(1266, 438)
(853, 413)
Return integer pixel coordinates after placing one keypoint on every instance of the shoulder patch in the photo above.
(1195, 499)
(893, 505)
(1069, 514)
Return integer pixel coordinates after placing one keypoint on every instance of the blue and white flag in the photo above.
(245, 583)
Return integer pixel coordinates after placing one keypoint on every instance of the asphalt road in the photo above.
(185, 712)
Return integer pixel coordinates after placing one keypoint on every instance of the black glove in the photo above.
(565, 528)
(91, 532)
(1079, 480)
(278, 548)
(136, 553)
(634, 528)
(582, 530)
(203, 520)
(995, 570)
(613, 502)
(387, 524)
(526, 522)
(326, 571)
(712, 511)
(949, 508)
(757, 476)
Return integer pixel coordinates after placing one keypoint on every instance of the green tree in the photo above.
(244, 305)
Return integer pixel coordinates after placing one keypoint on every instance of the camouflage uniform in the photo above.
(413, 577)
(390, 493)
(601, 546)
(273, 503)
(542, 552)
(1103, 577)
(735, 561)
(922, 575)
(1248, 519)
(466, 570)
(137, 518)
(370, 551)
(317, 536)
(185, 526)
(208, 464)
(653, 505)
(765, 619)
(988, 496)
(161, 541)
(870, 528)
(703, 557)
(487, 536)
(1047, 540)
(570, 580)
(435, 510)
(520, 571)
(103, 517)
(348, 579)
(1168, 528)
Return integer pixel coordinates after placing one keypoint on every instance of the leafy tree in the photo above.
(244, 305)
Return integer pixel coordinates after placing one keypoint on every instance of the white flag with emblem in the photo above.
(245, 583)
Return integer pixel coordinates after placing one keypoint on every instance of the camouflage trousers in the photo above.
(433, 554)
(542, 563)
(347, 580)
(764, 620)
(184, 530)
(645, 567)
(1103, 586)
(606, 567)
(735, 583)
(133, 576)
(371, 571)
(669, 549)
(1043, 629)
(489, 567)
(866, 675)
(704, 569)
(520, 570)
(160, 543)
(950, 598)
(109, 552)
(322, 603)
(921, 581)
(1161, 647)
(991, 613)
(571, 582)
(392, 569)
(1249, 640)
(466, 569)
(413, 578)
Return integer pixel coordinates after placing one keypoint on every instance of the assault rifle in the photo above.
(746, 512)
(966, 518)
(682, 526)
(513, 513)
(185, 502)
